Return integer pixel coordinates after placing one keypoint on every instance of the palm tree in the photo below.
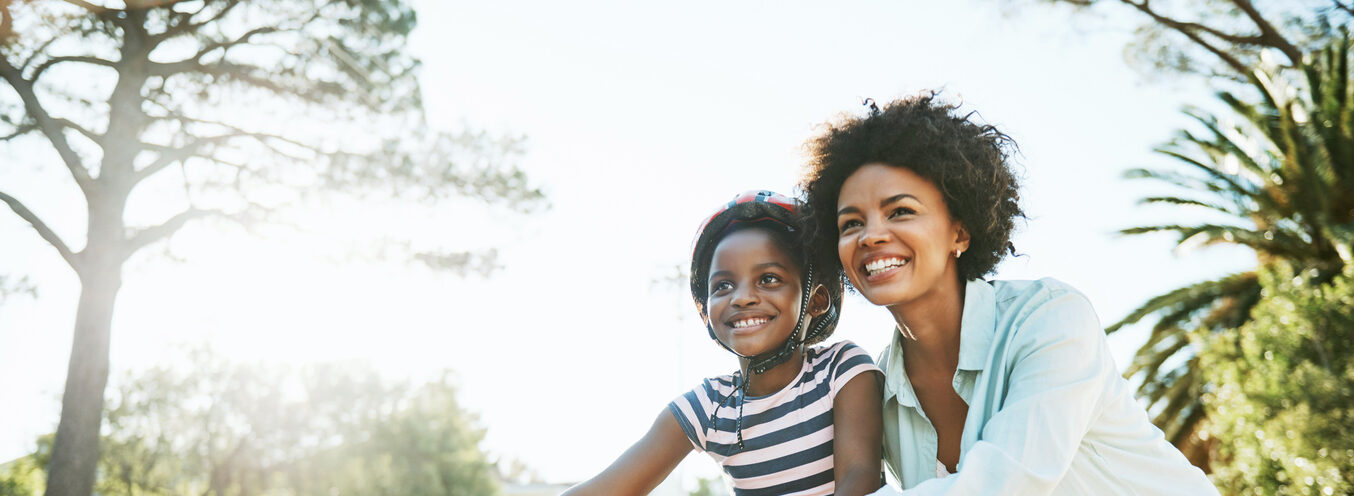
(1279, 173)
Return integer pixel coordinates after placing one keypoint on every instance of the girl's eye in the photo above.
(720, 287)
(770, 279)
(848, 225)
(901, 211)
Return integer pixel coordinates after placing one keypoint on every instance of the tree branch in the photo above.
(19, 131)
(37, 71)
(49, 126)
(46, 232)
(97, 9)
(171, 155)
(141, 238)
(1348, 9)
(1270, 35)
(95, 137)
(166, 69)
(6, 22)
(1184, 29)
(189, 26)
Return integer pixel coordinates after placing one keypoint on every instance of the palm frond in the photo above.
(1193, 297)
(1175, 200)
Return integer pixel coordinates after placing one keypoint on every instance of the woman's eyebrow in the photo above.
(883, 203)
(898, 198)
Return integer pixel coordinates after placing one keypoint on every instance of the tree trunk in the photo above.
(75, 451)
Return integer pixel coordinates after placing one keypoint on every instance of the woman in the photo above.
(1001, 387)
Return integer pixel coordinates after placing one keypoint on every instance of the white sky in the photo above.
(640, 119)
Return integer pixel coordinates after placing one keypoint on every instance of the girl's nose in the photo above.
(745, 297)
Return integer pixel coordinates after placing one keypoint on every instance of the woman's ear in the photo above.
(819, 301)
(961, 237)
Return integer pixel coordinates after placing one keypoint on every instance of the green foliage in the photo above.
(11, 287)
(21, 477)
(1278, 172)
(210, 427)
(1282, 400)
(709, 487)
(234, 110)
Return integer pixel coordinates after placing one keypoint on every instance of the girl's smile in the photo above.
(747, 324)
(754, 292)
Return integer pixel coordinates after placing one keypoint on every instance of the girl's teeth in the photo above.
(748, 323)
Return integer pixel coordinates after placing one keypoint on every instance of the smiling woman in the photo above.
(1000, 387)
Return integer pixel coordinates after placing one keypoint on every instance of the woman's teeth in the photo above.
(884, 264)
(739, 324)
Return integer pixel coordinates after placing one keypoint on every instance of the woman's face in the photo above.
(896, 239)
(754, 292)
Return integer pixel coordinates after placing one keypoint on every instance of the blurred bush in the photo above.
(208, 426)
(1282, 401)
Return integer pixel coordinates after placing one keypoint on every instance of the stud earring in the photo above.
(958, 252)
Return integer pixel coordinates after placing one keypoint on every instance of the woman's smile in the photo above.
(878, 268)
(896, 237)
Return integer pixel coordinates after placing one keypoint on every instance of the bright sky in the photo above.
(640, 119)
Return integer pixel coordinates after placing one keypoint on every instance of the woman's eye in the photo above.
(850, 224)
(901, 211)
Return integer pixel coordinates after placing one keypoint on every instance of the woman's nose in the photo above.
(872, 236)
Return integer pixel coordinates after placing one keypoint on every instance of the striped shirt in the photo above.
(787, 435)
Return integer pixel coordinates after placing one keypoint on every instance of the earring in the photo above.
(958, 252)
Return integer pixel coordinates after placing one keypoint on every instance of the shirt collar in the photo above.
(977, 326)
(896, 384)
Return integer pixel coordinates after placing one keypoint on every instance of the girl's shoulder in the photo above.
(839, 360)
(844, 346)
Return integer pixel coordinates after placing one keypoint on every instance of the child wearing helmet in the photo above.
(794, 418)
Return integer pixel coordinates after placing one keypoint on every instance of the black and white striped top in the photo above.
(787, 435)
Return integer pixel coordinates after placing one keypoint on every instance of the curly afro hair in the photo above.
(967, 161)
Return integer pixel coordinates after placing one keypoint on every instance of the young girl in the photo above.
(793, 419)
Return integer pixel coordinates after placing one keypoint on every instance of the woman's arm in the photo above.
(642, 467)
(857, 433)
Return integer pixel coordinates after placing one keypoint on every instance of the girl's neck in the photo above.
(775, 379)
(930, 327)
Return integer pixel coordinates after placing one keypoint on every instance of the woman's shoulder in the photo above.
(1016, 297)
(1044, 309)
(1033, 289)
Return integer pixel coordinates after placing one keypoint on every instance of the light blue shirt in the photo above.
(1048, 413)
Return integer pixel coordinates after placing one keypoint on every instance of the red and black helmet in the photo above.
(772, 211)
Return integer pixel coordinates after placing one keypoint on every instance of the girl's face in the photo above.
(896, 239)
(754, 292)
